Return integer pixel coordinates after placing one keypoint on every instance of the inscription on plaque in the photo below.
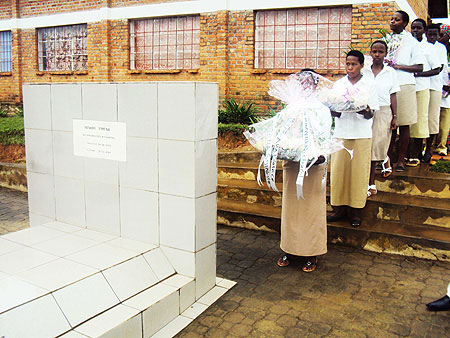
(100, 139)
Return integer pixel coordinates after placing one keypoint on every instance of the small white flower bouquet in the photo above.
(347, 99)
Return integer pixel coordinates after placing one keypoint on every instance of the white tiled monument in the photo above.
(122, 200)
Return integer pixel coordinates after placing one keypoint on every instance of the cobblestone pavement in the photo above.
(353, 293)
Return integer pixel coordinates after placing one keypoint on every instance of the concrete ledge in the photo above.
(13, 176)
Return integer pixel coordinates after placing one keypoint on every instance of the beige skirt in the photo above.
(349, 178)
(434, 111)
(303, 221)
(406, 105)
(420, 128)
(381, 133)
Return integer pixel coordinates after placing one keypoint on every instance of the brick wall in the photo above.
(38, 7)
(226, 51)
(5, 10)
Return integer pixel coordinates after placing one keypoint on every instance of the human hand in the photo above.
(394, 123)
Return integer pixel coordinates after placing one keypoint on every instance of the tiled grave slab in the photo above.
(66, 105)
(8, 246)
(32, 236)
(14, 292)
(175, 326)
(36, 107)
(133, 245)
(41, 196)
(39, 151)
(24, 259)
(66, 164)
(159, 263)
(69, 228)
(99, 101)
(65, 245)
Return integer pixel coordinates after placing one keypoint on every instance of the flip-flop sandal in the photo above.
(283, 261)
(413, 162)
(386, 171)
(310, 265)
(372, 190)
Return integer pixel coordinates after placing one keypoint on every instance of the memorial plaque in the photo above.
(100, 139)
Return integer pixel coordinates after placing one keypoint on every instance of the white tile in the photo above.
(140, 171)
(149, 297)
(205, 167)
(212, 295)
(39, 151)
(177, 222)
(187, 296)
(69, 228)
(160, 314)
(66, 105)
(159, 263)
(178, 280)
(66, 163)
(130, 277)
(132, 245)
(109, 323)
(206, 221)
(85, 299)
(206, 103)
(24, 259)
(100, 170)
(65, 245)
(8, 246)
(102, 207)
(72, 334)
(195, 310)
(4, 275)
(36, 107)
(35, 219)
(14, 292)
(176, 110)
(34, 235)
(41, 195)
(205, 270)
(102, 256)
(99, 101)
(227, 284)
(139, 211)
(95, 235)
(177, 168)
(174, 327)
(182, 261)
(218, 280)
(57, 274)
(37, 319)
(138, 108)
(69, 201)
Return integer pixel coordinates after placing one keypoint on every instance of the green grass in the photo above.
(12, 130)
(441, 166)
(234, 127)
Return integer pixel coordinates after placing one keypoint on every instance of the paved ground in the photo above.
(354, 293)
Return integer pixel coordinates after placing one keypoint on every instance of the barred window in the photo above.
(303, 38)
(165, 43)
(63, 48)
(5, 52)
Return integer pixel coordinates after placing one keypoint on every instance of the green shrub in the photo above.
(3, 113)
(19, 111)
(234, 127)
(237, 112)
(441, 166)
(12, 130)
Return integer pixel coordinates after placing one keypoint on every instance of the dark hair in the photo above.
(422, 21)
(308, 70)
(381, 42)
(434, 26)
(358, 54)
(405, 16)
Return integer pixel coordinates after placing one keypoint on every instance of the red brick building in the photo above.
(242, 45)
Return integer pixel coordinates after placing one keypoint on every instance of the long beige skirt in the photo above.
(434, 111)
(303, 221)
(407, 105)
(420, 128)
(349, 178)
(381, 133)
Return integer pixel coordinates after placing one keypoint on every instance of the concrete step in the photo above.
(245, 171)
(374, 235)
(239, 157)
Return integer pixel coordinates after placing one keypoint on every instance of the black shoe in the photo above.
(426, 158)
(442, 304)
(335, 217)
(355, 222)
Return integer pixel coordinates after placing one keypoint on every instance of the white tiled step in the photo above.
(156, 312)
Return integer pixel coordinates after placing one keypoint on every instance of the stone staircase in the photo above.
(410, 215)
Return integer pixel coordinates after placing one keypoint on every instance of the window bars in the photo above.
(63, 48)
(5, 52)
(303, 38)
(165, 43)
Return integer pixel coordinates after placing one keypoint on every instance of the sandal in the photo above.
(372, 190)
(386, 171)
(413, 162)
(426, 157)
(355, 222)
(400, 168)
(283, 261)
(310, 264)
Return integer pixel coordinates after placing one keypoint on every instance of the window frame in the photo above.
(5, 52)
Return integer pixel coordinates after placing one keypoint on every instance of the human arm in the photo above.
(394, 123)
(335, 113)
(428, 73)
(408, 69)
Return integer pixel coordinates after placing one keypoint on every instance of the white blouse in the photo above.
(408, 54)
(386, 82)
(430, 62)
(440, 53)
(353, 125)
